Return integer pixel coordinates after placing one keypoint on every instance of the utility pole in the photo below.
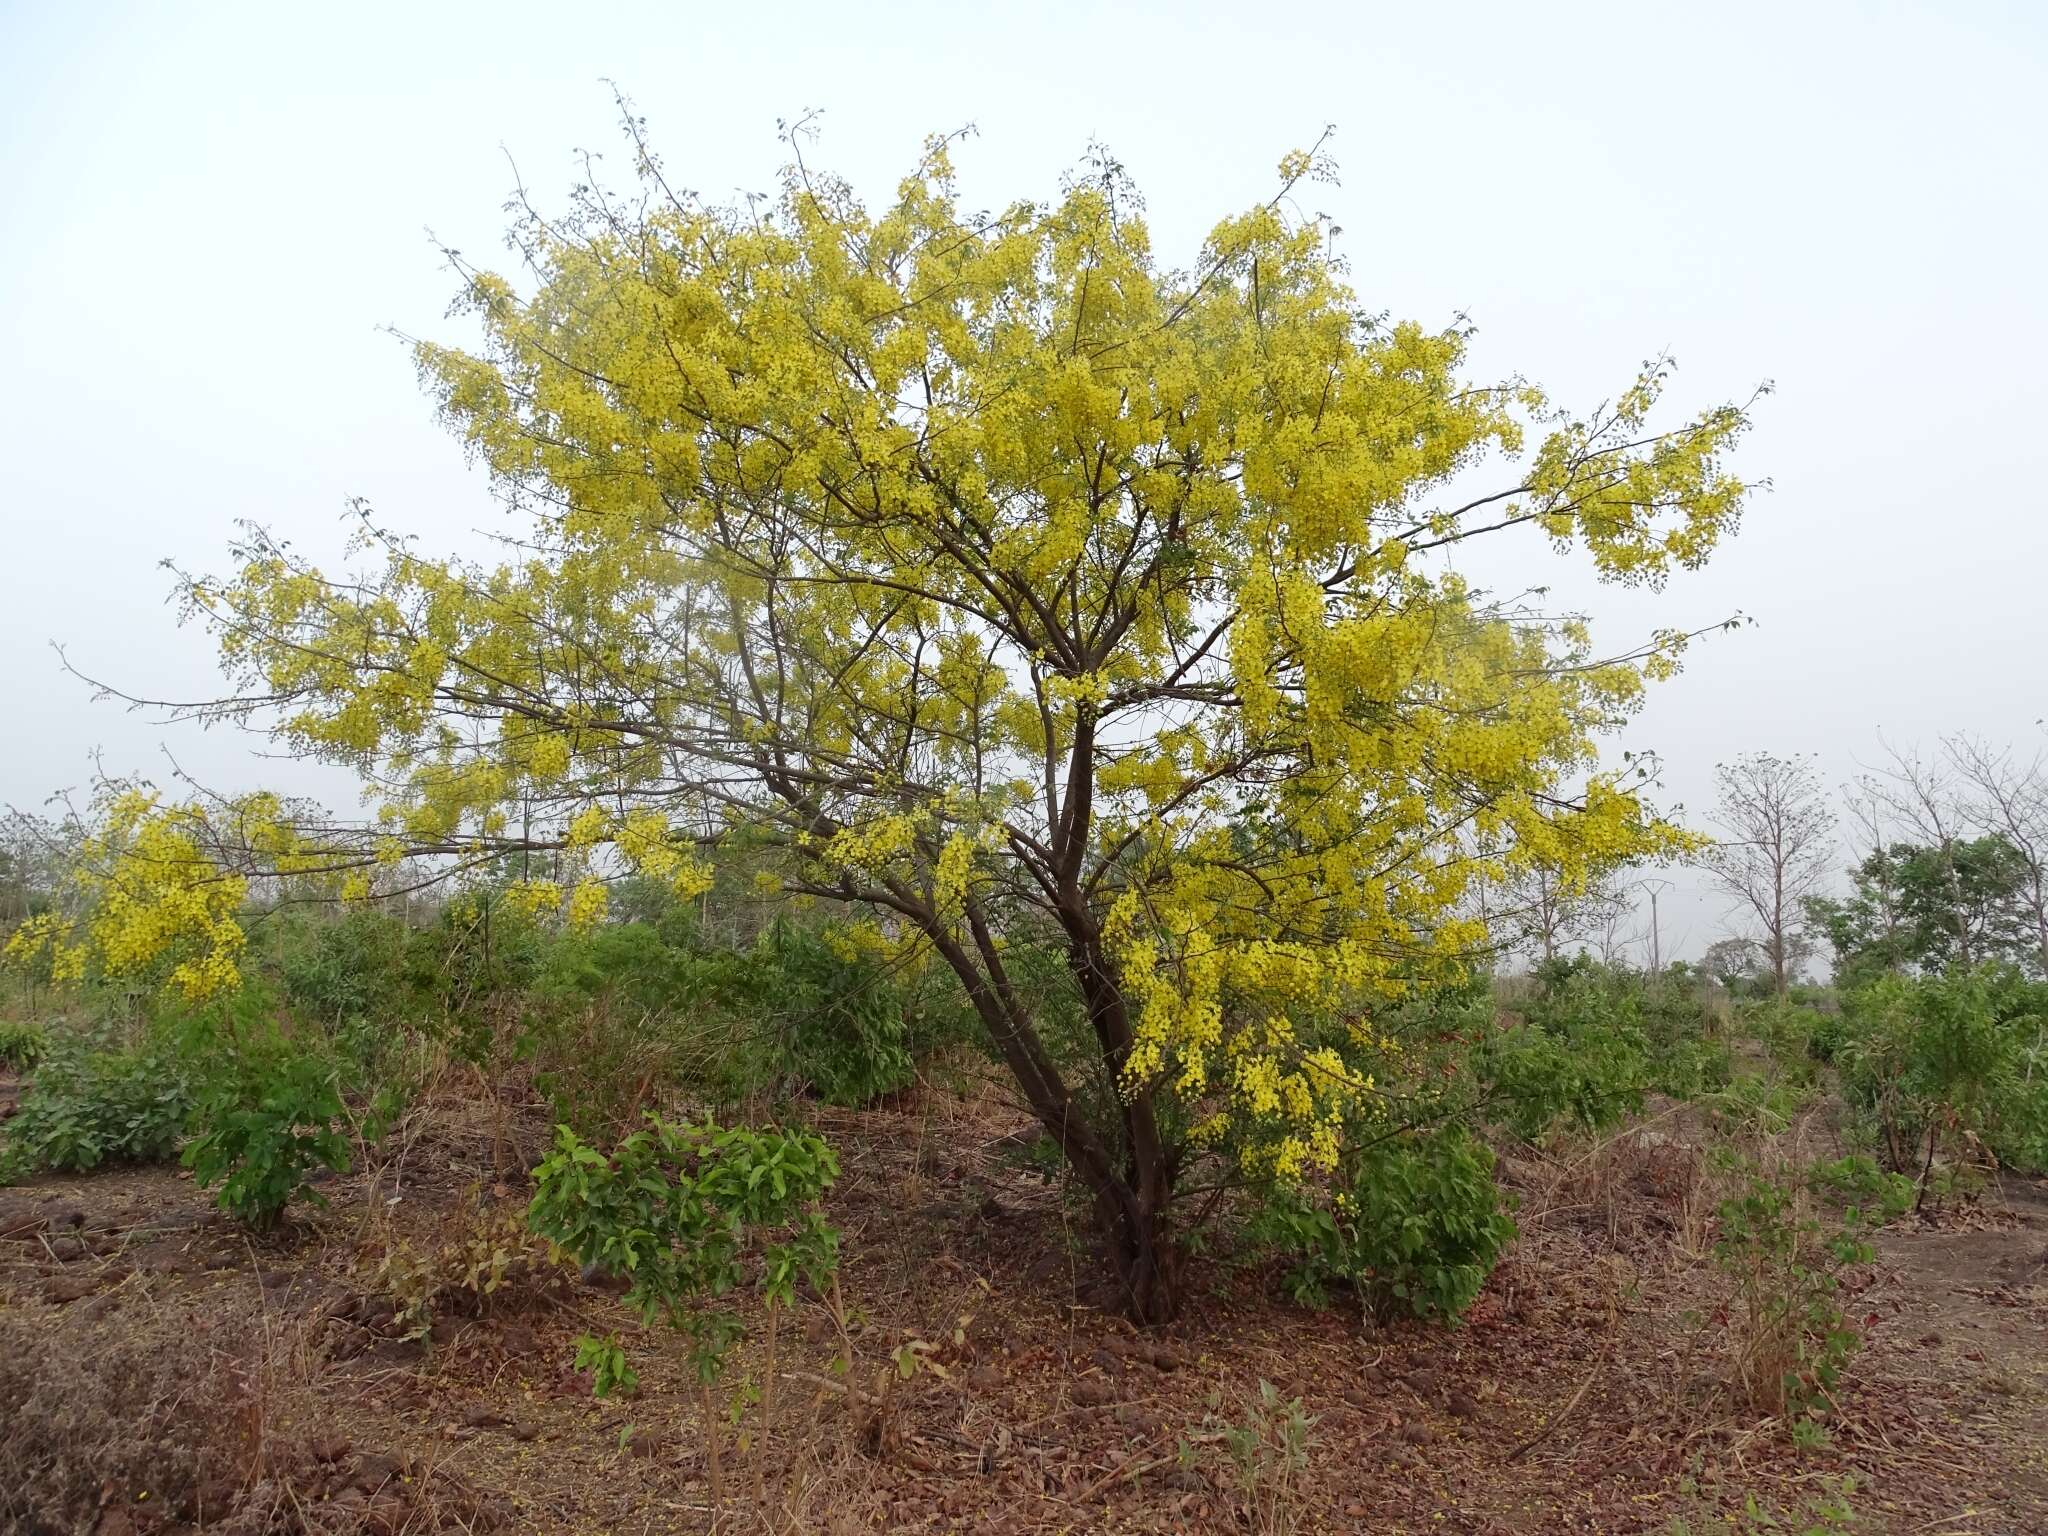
(1655, 886)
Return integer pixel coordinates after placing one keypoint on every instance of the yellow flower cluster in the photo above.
(588, 903)
(155, 904)
(646, 841)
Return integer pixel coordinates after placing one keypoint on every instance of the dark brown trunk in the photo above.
(1129, 1184)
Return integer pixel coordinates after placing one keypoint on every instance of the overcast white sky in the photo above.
(212, 212)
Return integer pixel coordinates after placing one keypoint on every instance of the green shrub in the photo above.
(653, 903)
(481, 949)
(95, 1100)
(631, 964)
(1873, 1195)
(1579, 1053)
(629, 1005)
(677, 1208)
(1691, 1067)
(616, 1013)
(839, 1017)
(264, 1118)
(1413, 1224)
(1826, 1031)
(1790, 1336)
(353, 968)
(2023, 1136)
(22, 1044)
(1958, 1057)
(1789, 1030)
(1685, 1052)
(611, 1373)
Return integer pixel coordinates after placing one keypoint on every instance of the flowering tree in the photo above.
(142, 895)
(1005, 585)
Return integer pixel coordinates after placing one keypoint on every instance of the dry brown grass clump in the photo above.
(126, 1425)
(158, 1418)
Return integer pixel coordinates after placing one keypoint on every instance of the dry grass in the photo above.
(1586, 1382)
(159, 1414)
(126, 1418)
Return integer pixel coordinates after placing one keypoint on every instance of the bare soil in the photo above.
(173, 1373)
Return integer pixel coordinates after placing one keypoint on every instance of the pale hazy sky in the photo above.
(212, 212)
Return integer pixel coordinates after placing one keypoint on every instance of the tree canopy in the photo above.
(1000, 580)
(1917, 909)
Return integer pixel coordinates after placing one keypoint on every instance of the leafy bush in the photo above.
(1863, 1185)
(623, 1008)
(1790, 1334)
(264, 1118)
(1690, 1067)
(1579, 1052)
(1686, 1053)
(1825, 1033)
(632, 964)
(839, 1015)
(616, 1012)
(611, 1373)
(1414, 1225)
(1959, 1057)
(481, 949)
(22, 1044)
(1596, 1037)
(1789, 1030)
(676, 1209)
(95, 1100)
(353, 968)
(2023, 1138)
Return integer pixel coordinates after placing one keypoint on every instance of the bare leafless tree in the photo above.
(1541, 915)
(1776, 847)
(2006, 796)
(1619, 936)
(36, 851)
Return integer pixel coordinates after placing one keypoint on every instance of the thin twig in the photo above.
(1550, 1429)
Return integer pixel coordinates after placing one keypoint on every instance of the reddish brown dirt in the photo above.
(1584, 1392)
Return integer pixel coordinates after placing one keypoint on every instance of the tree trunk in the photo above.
(1955, 896)
(1131, 1183)
(1778, 924)
(1147, 1266)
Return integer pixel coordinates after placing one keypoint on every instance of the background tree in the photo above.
(1739, 963)
(1536, 913)
(1870, 838)
(1775, 850)
(981, 574)
(1922, 801)
(34, 853)
(2007, 797)
(1922, 910)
